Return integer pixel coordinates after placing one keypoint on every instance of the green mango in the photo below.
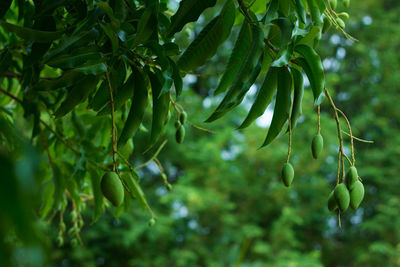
(317, 145)
(183, 117)
(342, 197)
(332, 205)
(287, 174)
(356, 195)
(341, 23)
(351, 177)
(346, 3)
(180, 134)
(112, 188)
(343, 15)
(333, 3)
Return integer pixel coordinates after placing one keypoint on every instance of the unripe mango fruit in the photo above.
(332, 205)
(287, 174)
(356, 195)
(333, 3)
(327, 24)
(341, 23)
(317, 145)
(342, 197)
(180, 134)
(112, 188)
(346, 3)
(183, 117)
(343, 15)
(351, 177)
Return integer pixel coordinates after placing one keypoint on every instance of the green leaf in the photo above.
(107, 28)
(272, 11)
(282, 105)
(206, 43)
(68, 78)
(239, 87)
(286, 50)
(300, 10)
(68, 61)
(315, 12)
(160, 105)
(314, 70)
(298, 96)
(176, 77)
(120, 96)
(145, 28)
(4, 6)
(236, 58)
(310, 35)
(95, 179)
(92, 68)
(134, 188)
(138, 107)
(188, 11)
(263, 98)
(47, 200)
(77, 94)
(31, 34)
(72, 41)
(5, 59)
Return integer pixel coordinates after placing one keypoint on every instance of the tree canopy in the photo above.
(92, 87)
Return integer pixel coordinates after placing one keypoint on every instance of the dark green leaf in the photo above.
(206, 43)
(31, 34)
(282, 105)
(188, 11)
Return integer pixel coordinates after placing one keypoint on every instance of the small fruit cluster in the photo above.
(180, 128)
(349, 194)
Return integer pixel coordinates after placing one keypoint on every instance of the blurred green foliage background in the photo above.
(228, 206)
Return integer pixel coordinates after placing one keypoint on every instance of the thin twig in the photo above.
(338, 129)
(319, 119)
(351, 135)
(359, 139)
(290, 141)
(154, 156)
(113, 127)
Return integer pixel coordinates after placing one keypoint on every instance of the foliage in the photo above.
(78, 144)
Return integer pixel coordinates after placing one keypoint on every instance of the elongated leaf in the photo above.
(5, 59)
(160, 105)
(315, 12)
(176, 77)
(236, 58)
(285, 50)
(272, 11)
(297, 98)
(134, 188)
(31, 34)
(108, 30)
(47, 200)
(4, 6)
(312, 32)
(300, 10)
(235, 93)
(282, 105)
(101, 97)
(68, 78)
(77, 94)
(314, 70)
(206, 43)
(263, 98)
(146, 26)
(121, 96)
(188, 11)
(71, 41)
(138, 107)
(71, 61)
(92, 68)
